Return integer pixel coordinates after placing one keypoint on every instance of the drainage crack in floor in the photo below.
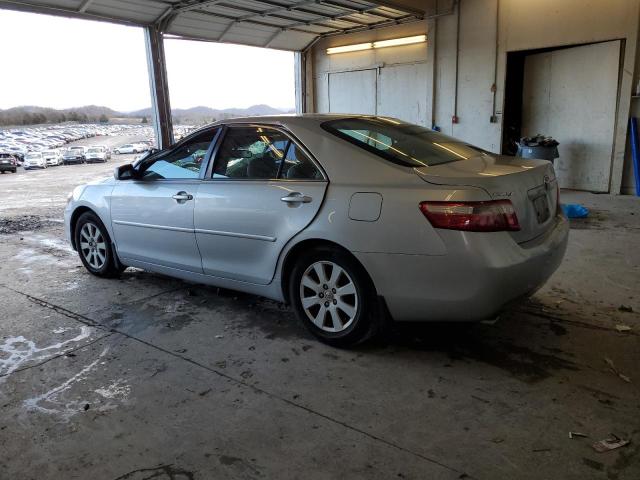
(88, 321)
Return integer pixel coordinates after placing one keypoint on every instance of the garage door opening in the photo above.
(210, 82)
(568, 93)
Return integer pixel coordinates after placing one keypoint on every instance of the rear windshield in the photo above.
(401, 143)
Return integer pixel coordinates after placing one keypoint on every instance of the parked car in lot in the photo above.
(97, 154)
(8, 163)
(343, 217)
(73, 155)
(34, 160)
(127, 148)
(52, 157)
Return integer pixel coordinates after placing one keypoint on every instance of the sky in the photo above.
(62, 63)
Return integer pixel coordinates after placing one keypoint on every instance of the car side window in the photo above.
(298, 166)
(254, 153)
(183, 162)
(250, 153)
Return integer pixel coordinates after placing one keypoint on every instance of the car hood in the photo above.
(103, 181)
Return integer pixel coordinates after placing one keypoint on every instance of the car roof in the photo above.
(292, 118)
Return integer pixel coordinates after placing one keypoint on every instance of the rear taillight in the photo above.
(489, 216)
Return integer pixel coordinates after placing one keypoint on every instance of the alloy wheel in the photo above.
(329, 297)
(93, 245)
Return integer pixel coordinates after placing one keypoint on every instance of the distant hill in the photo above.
(33, 115)
(202, 114)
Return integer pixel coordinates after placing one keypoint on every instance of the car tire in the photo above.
(98, 255)
(340, 320)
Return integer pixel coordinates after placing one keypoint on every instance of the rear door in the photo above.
(152, 217)
(264, 188)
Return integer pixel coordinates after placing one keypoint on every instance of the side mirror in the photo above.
(124, 172)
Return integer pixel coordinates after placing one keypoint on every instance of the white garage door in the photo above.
(353, 92)
(402, 92)
(396, 91)
(571, 94)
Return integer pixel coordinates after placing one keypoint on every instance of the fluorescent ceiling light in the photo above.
(400, 41)
(350, 48)
(380, 44)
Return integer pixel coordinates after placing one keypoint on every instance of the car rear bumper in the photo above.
(7, 168)
(480, 274)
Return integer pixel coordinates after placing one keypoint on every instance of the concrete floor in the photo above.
(150, 377)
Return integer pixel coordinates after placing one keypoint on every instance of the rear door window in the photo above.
(399, 142)
(259, 153)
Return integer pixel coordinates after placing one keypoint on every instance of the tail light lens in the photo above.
(489, 216)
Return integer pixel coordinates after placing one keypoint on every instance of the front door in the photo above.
(264, 190)
(152, 216)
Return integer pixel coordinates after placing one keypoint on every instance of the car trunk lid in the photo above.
(530, 185)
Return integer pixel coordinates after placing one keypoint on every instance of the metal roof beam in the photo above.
(256, 22)
(365, 10)
(299, 7)
(184, 7)
(268, 43)
(84, 5)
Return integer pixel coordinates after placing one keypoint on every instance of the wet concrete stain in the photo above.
(241, 463)
(161, 472)
(557, 329)
(593, 464)
(474, 342)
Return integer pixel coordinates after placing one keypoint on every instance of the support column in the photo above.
(159, 87)
(299, 68)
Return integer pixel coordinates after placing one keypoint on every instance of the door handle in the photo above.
(182, 197)
(296, 197)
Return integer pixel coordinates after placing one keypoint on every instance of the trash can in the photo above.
(539, 147)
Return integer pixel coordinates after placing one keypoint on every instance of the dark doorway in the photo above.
(512, 112)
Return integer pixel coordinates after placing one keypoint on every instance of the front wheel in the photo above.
(334, 297)
(94, 246)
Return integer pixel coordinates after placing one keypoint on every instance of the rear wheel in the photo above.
(334, 297)
(94, 246)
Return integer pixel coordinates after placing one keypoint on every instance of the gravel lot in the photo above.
(150, 377)
(44, 192)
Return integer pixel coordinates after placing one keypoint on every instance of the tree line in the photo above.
(17, 117)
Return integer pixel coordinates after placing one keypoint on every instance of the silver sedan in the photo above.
(350, 219)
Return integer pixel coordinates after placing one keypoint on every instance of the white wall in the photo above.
(522, 25)
(402, 85)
